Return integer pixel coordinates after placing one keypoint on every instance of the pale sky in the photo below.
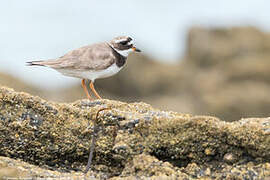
(38, 29)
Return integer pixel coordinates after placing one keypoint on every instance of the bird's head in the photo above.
(123, 45)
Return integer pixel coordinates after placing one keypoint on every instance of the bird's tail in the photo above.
(35, 63)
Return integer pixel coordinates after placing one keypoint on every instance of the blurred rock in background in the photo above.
(230, 71)
(224, 73)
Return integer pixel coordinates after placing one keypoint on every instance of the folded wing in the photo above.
(92, 57)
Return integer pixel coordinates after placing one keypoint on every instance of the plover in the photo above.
(92, 62)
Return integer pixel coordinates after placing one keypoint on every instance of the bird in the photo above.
(91, 62)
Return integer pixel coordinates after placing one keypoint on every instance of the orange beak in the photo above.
(136, 49)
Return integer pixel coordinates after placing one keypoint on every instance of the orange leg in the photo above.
(91, 85)
(85, 90)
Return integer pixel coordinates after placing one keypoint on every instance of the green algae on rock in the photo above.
(133, 135)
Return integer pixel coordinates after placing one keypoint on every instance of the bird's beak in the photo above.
(136, 49)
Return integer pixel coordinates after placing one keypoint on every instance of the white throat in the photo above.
(124, 53)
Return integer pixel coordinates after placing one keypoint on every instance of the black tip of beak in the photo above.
(136, 49)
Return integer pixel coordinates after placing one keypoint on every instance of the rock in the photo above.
(226, 70)
(230, 158)
(11, 168)
(135, 140)
(145, 166)
(207, 47)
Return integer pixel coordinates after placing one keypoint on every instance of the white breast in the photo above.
(92, 75)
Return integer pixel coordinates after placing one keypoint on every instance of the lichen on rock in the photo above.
(134, 140)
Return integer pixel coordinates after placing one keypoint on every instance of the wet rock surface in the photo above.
(135, 141)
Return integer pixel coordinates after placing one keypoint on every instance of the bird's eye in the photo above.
(124, 43)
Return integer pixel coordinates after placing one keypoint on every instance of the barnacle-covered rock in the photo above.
(134, 140)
